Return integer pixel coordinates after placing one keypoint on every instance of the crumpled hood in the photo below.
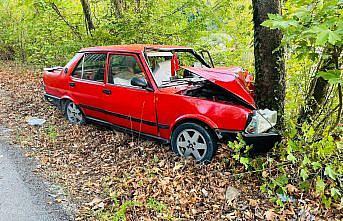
(227, 78)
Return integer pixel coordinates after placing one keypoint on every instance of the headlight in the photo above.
(261, 121)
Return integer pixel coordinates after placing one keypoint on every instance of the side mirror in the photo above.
(65, 70)
(135, 81)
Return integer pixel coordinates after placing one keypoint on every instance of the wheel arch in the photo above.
(66, 98)
(201, 120)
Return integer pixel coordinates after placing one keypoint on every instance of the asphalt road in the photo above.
(23, 195)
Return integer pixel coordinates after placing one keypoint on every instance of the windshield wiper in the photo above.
(164, 83)
(187, 80)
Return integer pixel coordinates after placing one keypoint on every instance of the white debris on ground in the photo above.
(35, 121)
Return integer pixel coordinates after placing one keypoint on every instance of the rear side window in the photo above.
(91, 67)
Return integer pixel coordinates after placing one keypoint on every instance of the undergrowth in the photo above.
(301, 166)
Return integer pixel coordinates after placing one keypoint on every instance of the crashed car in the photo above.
(169, 93)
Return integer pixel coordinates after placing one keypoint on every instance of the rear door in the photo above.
(127, 105)
(86, 84)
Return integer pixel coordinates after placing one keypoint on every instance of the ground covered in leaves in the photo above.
(110, 175)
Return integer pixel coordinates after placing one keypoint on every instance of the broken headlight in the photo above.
(261, 121)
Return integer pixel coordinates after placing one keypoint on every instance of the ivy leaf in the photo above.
(333, 37)
(330, 172)
(333, 76)
(304, 174)
(316, 165)
(268, 23)
(244, 161)
(320, 185)
(281, 181)
(322, 37)
(326, 201)
(291, 158)
(335, 192)
(306, 160)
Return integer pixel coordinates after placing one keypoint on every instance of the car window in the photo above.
(122, 69)
(91, 67)
(77, 73)
(161, 67)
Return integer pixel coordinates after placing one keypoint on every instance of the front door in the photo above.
(129, 106)
(87, 84)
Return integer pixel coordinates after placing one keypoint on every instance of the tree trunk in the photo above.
(137, 6)
(269, 60)
(117, 7)
(88, 15)
(319, 86)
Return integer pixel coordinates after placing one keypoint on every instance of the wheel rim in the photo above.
(74, 114)
(190, 142)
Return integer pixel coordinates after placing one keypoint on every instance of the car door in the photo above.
(129, 106)
(86, 84)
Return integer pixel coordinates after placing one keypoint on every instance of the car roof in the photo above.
(135, 48)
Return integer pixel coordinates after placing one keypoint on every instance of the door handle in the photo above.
(107, 91)
(72, 84)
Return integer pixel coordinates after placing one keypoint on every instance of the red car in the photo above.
(169, 93)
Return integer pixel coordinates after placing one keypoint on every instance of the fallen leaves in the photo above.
(291, 188)
(270, 214)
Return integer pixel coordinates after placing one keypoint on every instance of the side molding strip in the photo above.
(150, 123)
(127, 130)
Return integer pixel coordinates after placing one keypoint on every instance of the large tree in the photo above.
(88, 15)
(269, 59)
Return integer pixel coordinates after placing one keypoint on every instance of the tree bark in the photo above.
(269, 60)
(319, 86)
(88, 15)
(117, 7)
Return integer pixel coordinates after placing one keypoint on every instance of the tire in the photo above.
(73, 113)
(191, 139)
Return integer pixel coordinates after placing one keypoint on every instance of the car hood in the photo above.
(231, 79)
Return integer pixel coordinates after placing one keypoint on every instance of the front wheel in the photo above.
(73, 113)
(191, 139)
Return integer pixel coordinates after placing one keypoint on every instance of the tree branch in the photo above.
(73, 28)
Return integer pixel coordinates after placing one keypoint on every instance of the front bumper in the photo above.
(262, 141)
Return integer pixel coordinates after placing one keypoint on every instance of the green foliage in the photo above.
(310, 165)
(117, 212)
(38, 35)
(333, 76)
(51, 132)
(312, 29)
(240, 151)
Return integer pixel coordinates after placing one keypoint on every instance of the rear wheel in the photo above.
(73, 113)
(191, 139)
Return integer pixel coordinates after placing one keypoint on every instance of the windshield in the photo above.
(167, 67)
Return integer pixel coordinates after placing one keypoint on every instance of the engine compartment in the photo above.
(210, 91)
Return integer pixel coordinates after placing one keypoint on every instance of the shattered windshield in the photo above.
(167, 67)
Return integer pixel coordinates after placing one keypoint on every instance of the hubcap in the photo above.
(74, 114)
(191, 143)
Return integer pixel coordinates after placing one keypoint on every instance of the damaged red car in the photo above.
(169, 93)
